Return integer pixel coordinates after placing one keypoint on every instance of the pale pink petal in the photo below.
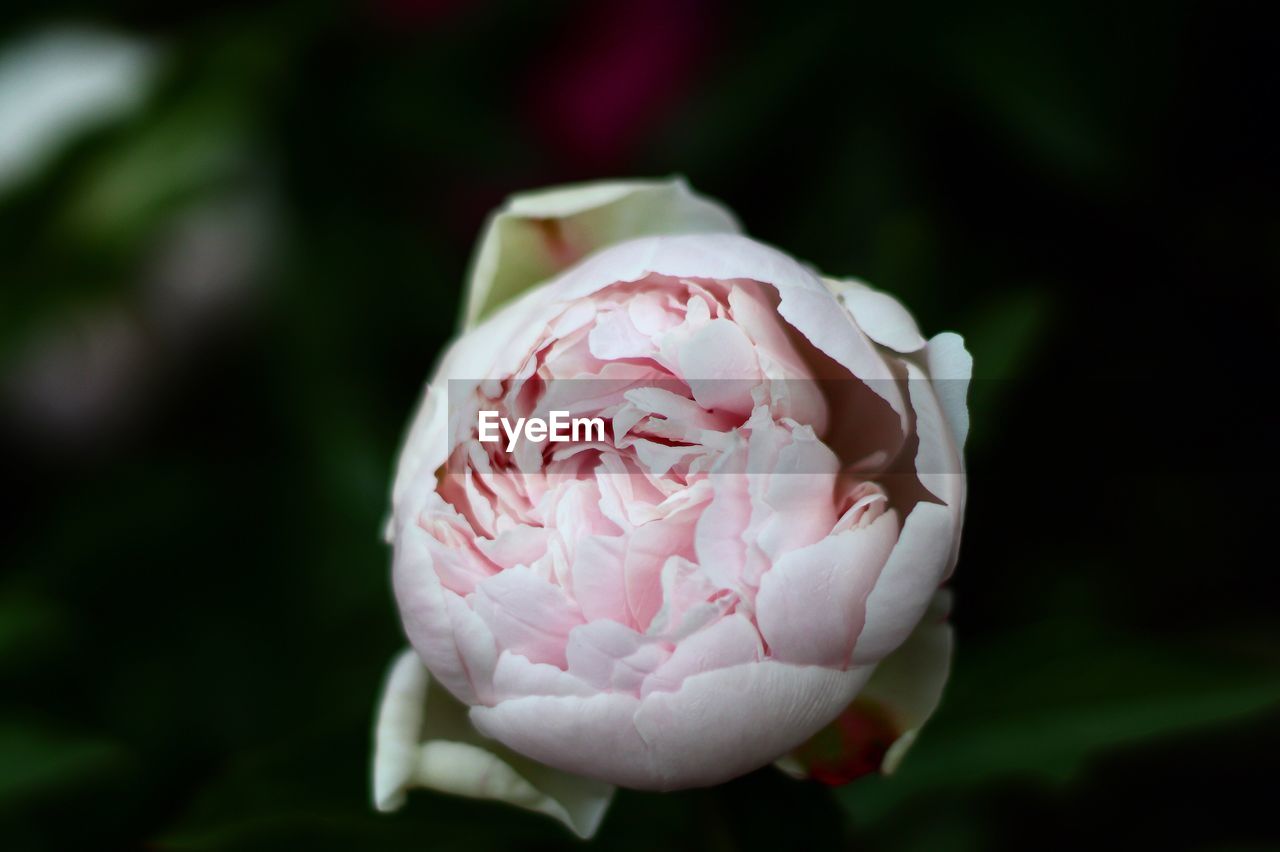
(451, 640)
(519, 545)
(526, 614)
(719, 542)
(651, 315)
(731, 641)
(599, 583)
(687, 595)
(811, 606)
(516, 676)
(455, 559)
(592, 736)
(719, 363)
(648, 548)
(906, 585)
(612, 657)
(726, 722)
(615, 336)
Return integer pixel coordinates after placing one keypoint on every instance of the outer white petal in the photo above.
(395, 735)
(538, 234)
(908, 683)
(423, 739)
(930, 540)
(914, 571)
(881, 316)
(950, 368)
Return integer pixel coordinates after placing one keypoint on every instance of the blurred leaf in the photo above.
(195, 147)
(1043, 704)
(27, 622)
(1003, 334)
(36, 759)
(1022, 67)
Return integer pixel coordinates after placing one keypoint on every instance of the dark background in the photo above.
(219, 307)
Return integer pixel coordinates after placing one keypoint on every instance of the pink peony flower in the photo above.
(744, 569)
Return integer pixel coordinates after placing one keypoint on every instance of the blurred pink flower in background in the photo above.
(613, 74)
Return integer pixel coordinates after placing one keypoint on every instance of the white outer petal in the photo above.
(396, 732)
(914, 571)
(880, 315)
(429, 744)
(950, 367)
(508, 260)
(930, 540)
(909, 682)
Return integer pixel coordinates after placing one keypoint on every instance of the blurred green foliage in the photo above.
(218, 309)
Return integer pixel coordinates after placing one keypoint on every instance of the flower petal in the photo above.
(720, 724)
(881, 316)
(951, 367)
(812, 605)
(914, 571)
(527, 614)
(726, 722)
(908, 683)
(423, 739)
(731, 641)
(538, 234)
(592, 736)
(442, 628)
(612, 657)
(805, 303)
(875, 731)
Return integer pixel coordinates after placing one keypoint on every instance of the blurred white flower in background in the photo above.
(59, 83)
